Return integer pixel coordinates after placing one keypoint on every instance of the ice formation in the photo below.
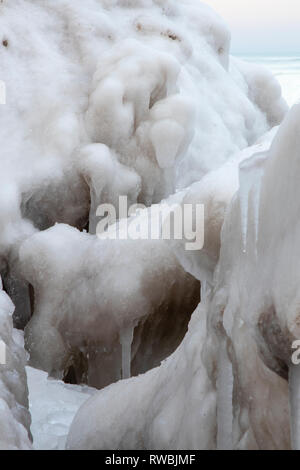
(109, 288)
(140, 98)
(14, 414)
(252, 312)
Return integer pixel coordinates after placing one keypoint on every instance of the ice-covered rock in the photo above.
(14, 414)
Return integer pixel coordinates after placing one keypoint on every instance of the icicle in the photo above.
(251, 172)
(256, 201)
(294, 398)
(224, 400)
(245, 187)
(93, 219)
(126, 338)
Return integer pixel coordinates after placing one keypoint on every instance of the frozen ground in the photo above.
(52, 405)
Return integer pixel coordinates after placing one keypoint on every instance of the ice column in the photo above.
(126, 338)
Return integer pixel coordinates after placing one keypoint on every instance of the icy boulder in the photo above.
(263, 89)
(14, 414)
(105, 290)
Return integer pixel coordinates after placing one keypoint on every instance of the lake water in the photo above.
(287, 71)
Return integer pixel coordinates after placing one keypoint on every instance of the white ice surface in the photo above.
(53, 405)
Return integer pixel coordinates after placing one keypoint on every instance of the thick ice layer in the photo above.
(14, 415)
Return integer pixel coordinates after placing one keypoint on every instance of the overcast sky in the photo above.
(262, 26)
